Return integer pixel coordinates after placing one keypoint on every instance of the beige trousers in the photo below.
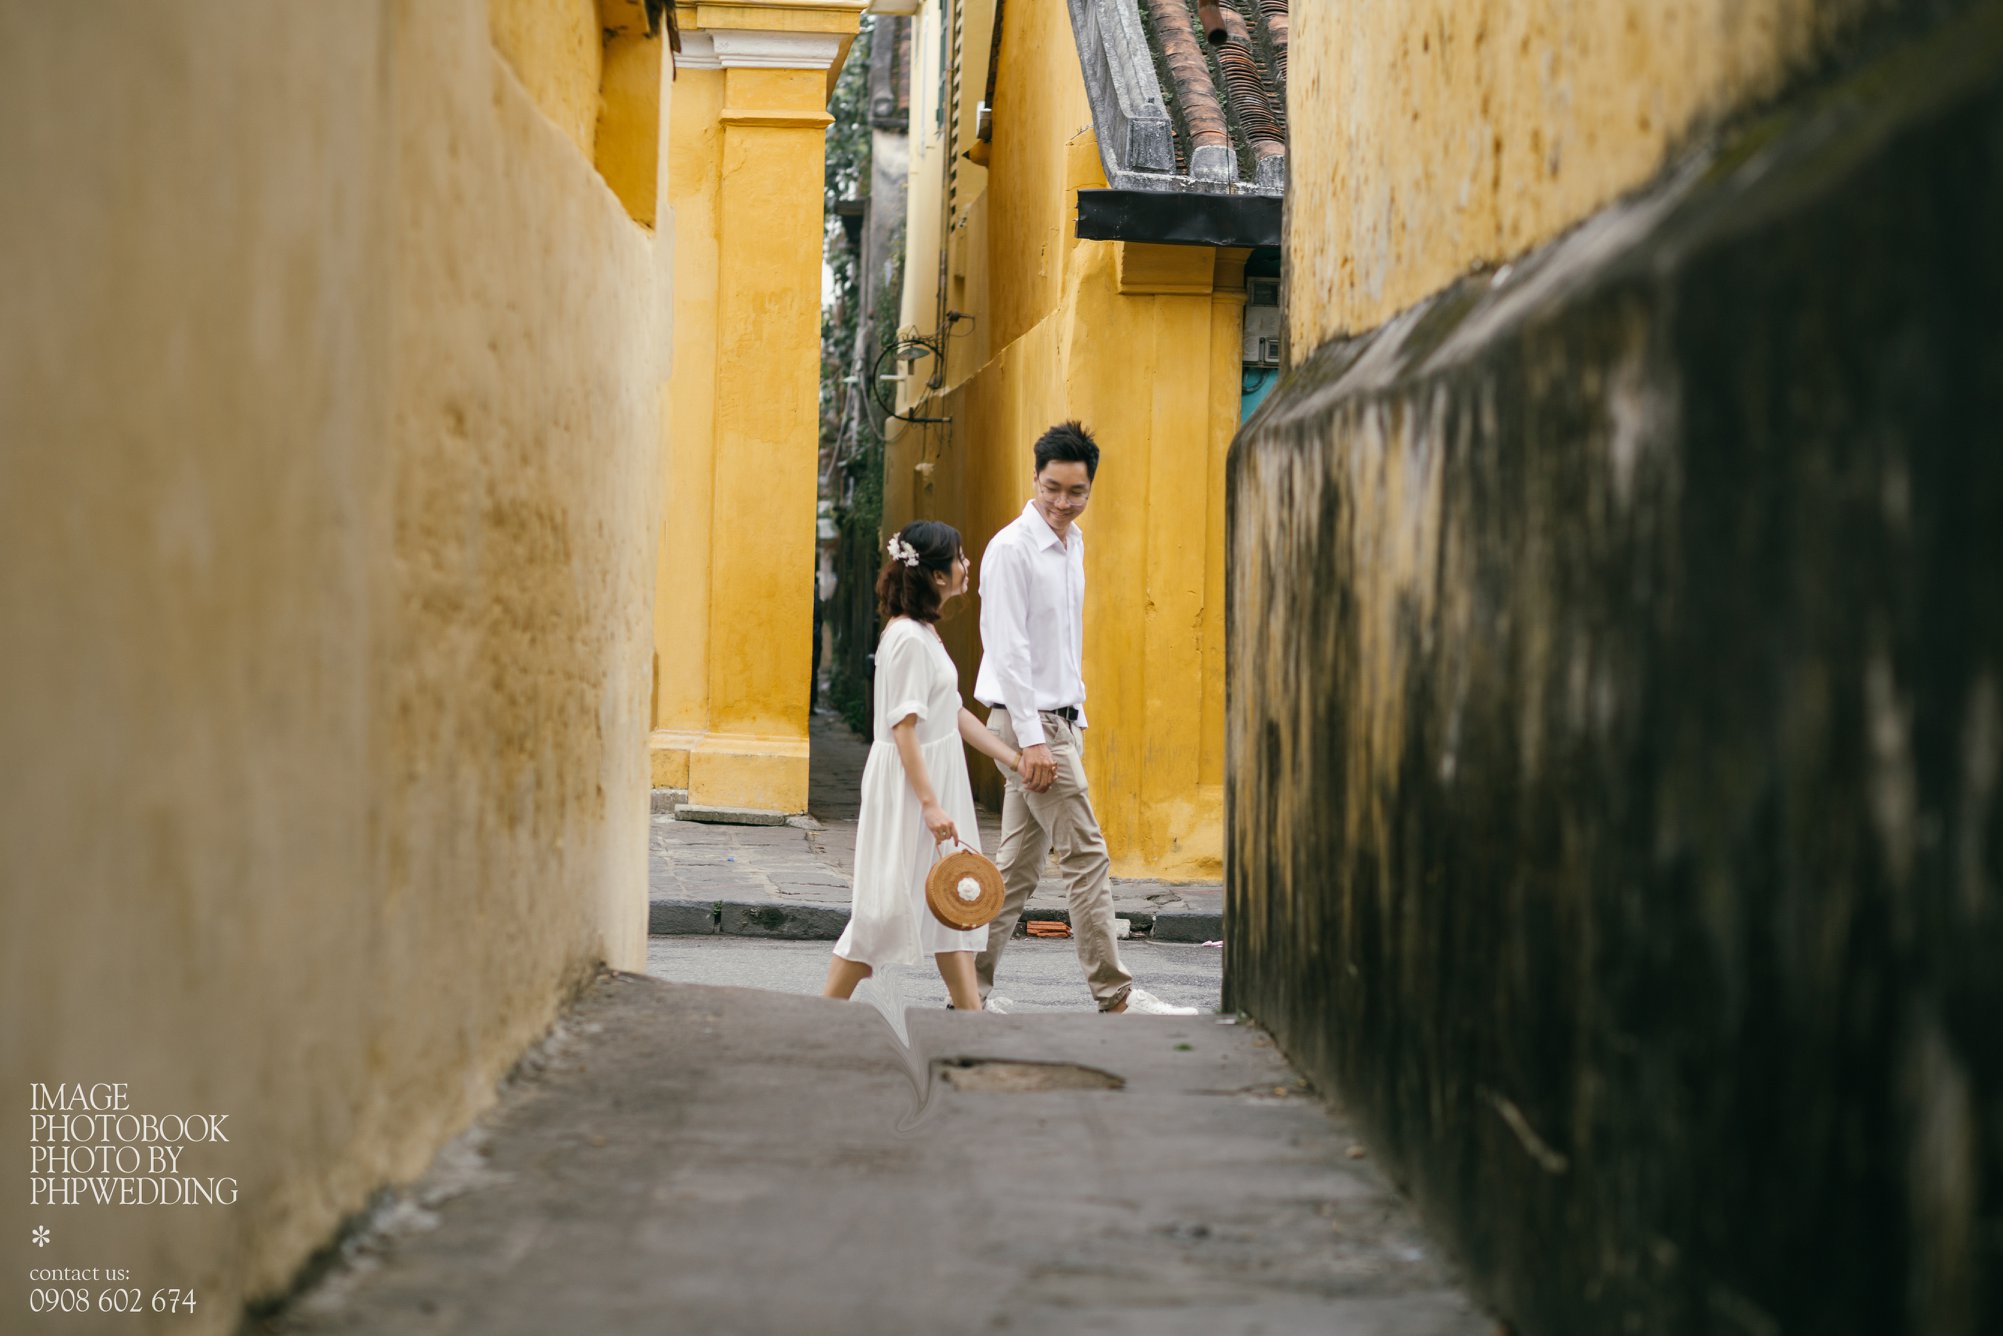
(1031, 824)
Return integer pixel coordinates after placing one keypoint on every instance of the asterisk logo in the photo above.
(41, 1236)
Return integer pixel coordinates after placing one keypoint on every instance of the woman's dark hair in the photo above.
(908, 591)
(1071, 443)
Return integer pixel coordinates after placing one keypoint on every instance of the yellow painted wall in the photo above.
(554, 47)
(1032, 160)
(1432, 135)
(627, 141)
(331, 381)
(1141, 343)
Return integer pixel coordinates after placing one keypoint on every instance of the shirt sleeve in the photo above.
(1081, 629)
(901, 688)
(1005, 637)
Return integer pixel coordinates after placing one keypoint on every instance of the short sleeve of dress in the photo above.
(901, 672)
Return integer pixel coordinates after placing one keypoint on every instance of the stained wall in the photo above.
(1614, 737)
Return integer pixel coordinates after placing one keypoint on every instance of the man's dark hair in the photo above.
(1068, 442)
(908, 591)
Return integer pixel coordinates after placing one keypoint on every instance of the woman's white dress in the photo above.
(889, 923)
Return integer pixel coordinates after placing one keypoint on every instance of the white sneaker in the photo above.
(1140, 1000)
(998, 1004)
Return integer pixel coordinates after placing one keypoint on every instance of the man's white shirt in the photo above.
(1032, 624)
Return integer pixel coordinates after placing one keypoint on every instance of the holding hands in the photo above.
(1037, 767)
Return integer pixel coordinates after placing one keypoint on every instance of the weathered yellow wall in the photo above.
(1151, 363)
(330, 405)
(1431, 135)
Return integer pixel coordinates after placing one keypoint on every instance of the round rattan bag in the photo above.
(964, 889)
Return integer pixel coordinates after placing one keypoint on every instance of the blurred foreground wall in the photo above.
(330, 419)
(1616, 634)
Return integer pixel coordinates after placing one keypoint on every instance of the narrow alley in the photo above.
(684, 1158)
(1211, 667)
(714, 1159)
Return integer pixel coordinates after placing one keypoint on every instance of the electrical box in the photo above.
(1262, 322)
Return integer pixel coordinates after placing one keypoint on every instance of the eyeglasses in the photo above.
(1053, 493)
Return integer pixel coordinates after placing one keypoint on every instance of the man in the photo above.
(1032, 678)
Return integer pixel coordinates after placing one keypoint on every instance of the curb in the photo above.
(679, 918)
(1187, 925)
(730, 816)
(667, 917)
(799, 923)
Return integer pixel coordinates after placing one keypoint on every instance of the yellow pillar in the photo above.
(681, 601)
(733, 626)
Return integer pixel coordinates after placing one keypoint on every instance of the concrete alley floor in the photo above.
(680, 1158)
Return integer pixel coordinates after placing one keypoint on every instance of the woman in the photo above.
(915, 794)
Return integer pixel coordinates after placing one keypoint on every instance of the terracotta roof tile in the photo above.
(1245, 83)
(1273, 18)
(1194, 93)
(1233, 93)
(1216, 70)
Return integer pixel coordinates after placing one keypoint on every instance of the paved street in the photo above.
(804, 867)
(1035, 975)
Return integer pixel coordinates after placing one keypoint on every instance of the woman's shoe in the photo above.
(1001, 1006)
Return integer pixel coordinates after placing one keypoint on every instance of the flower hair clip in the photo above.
(901, 551)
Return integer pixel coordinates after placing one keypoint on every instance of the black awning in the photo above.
(1179, 218)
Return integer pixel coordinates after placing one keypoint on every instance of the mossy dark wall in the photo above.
(1616, 729)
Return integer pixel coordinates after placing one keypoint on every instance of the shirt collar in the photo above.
(1039, 529)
